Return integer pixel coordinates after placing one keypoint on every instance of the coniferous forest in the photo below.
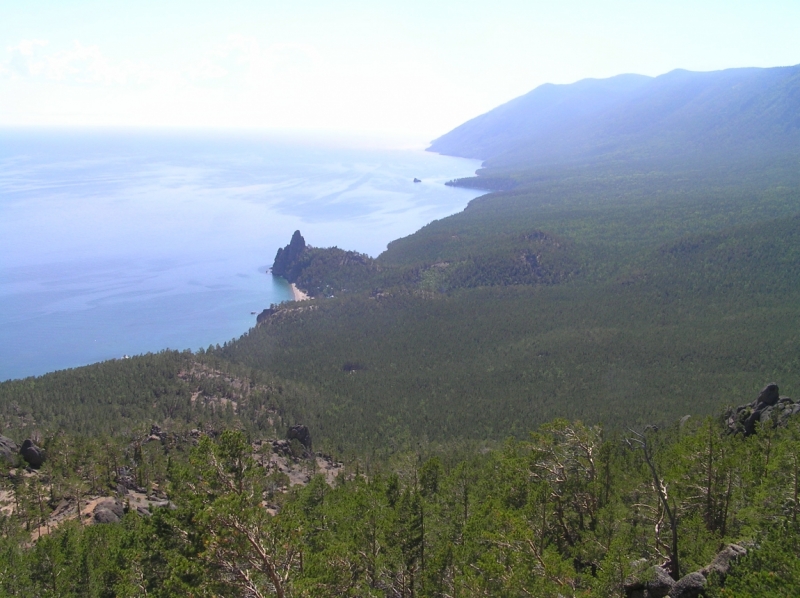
(559, 391)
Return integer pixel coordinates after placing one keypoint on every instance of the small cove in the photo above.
(120, 242)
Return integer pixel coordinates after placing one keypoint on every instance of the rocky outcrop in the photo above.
(282, 447)
(157, 435)
(288, 256)
(688, 586)
(322, 271)
(722, 562)
(265, 315)
(126, 480)
(655, 582)
(769, 406)
(768, 396)
(32, 454)
(301, 433)
(8, 449)
(109, 511)
(661, 584)
(279, 313)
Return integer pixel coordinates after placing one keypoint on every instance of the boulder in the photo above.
(768, 408)
(768, 396)
(661, 584)
(301, 433)
(750, 422)
(33, 455)
(108, 511)
(281, 447)
(689, 586)
(105, 516)
(127, 479)
(655, 582)
(157, 434)
(722, 562)
(8, 449)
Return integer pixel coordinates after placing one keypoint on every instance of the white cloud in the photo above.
(240, 81)
(78, 64)
(21, 60)
(28, 46)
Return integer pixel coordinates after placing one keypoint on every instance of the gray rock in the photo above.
(655, 582)
(301, 433)
(126, 478)
(769, 395)
(281, 447)
(768, 409)
(722, 562)
(689, 586)
(105, 516)
(156, 433)
(33, 455)
(661, 584)
(108, 511)
(8, 449)
(750, 423)
(634, 586)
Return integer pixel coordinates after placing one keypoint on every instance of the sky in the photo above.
(412, 68)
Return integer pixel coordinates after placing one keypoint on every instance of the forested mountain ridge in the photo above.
(682, 329)
(509, 388)
(680, 116)
(606, 294)
(656, 288)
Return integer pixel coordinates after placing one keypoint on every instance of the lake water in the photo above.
(116, 243)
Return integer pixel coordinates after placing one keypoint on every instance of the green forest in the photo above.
(570, 510)
(536, 396)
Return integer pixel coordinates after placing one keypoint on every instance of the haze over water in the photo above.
(116, 243)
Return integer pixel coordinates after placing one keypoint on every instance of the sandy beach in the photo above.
(298, 295)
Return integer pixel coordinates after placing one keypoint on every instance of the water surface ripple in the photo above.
(116, 243)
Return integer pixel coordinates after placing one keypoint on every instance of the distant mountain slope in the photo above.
(681, 114)
(536, 115)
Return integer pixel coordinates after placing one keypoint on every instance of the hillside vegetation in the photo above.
(682, 115)
(509, 386)
(571, 510)
(619, 292)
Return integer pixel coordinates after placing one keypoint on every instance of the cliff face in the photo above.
(323, 271)
(288, 256)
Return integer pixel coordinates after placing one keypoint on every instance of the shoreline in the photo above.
(297, 294)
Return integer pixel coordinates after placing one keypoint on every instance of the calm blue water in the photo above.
(117, 243)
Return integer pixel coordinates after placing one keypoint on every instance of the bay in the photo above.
(116, 243)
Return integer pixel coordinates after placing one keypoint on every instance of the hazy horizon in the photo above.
(376, 68)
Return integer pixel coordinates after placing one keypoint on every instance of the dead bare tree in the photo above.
(640, 441)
